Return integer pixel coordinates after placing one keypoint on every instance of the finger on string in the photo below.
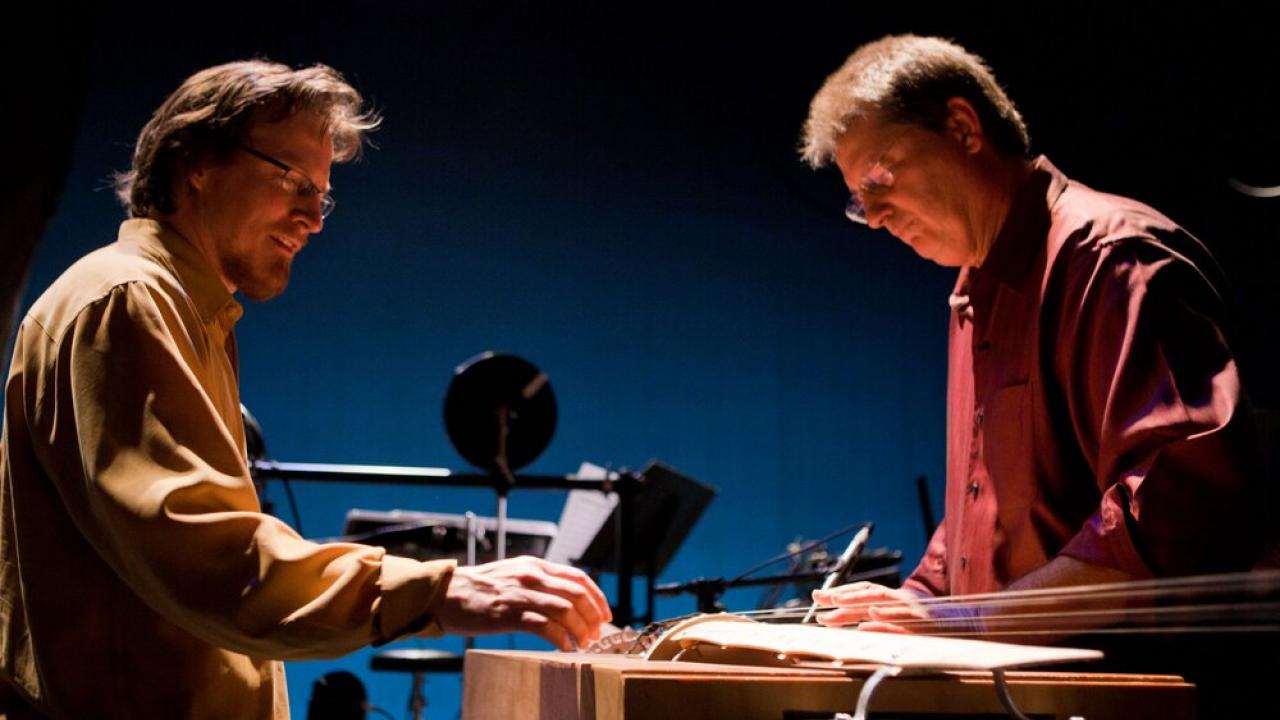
(841, 592)
(840, 617)
(848, 597)
(895, 613)
(884, 627)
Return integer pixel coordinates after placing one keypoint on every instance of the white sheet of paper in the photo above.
(585, 511)
(853, 646)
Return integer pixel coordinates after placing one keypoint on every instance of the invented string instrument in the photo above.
(723, 666)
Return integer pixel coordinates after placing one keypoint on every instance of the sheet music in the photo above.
(585, 511)
(846, 645)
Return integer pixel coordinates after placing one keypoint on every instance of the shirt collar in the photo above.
(165, 245)
(1018, 242)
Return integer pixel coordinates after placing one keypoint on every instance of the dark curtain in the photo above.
(47, 62)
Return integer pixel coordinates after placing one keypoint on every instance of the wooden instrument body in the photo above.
(515, 685)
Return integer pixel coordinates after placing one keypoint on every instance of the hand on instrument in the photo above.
(876, 607)
(556, 602)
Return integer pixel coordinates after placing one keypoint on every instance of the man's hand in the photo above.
(556, 602)
(876, 607)
(884, 609)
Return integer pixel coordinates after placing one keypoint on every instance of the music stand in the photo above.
(665, 506)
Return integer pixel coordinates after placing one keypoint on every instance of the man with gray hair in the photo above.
(138, 576)
(1096, 426)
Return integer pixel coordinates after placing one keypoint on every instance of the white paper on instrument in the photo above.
(585, 512)
(854, 646)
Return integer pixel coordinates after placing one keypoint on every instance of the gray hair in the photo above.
(208, 115)
(909, 79)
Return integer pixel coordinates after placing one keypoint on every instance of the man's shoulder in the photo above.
(1084, 218)
(1123, 242)
(94, 277)
(1091, 227)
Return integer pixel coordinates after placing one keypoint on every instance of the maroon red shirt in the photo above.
(1094, 408)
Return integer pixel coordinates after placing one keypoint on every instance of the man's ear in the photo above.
(193, 173)
(964, 126)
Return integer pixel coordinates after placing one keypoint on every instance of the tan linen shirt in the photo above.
(138, 575)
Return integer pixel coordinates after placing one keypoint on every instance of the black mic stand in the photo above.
(852, 566)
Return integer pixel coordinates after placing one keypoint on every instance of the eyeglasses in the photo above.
(293, 181)
(878, 179)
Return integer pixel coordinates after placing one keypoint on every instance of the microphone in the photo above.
(843, 566)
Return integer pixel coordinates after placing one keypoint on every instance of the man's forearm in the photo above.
(1063, 571)
(1037, 618)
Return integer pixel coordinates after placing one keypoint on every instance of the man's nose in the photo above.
(309, 215)
(877, 212)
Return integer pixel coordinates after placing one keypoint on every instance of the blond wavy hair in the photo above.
(209, 114)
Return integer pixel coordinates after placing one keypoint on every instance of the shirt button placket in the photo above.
(976, 436)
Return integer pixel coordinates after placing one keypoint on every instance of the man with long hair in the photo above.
(138, 576)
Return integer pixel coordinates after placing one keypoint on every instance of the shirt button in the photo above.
(964, 563)
(977, 416)
(973, 489)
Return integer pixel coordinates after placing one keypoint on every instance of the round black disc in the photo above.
(490, 391)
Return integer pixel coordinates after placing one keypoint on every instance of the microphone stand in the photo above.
(504, 481)
(878, 565)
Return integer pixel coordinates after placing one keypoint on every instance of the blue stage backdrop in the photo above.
(615, 198)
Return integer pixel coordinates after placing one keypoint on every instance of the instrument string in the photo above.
(1180, 629)
(1240, 602)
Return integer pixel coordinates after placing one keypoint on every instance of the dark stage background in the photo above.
(613, 194)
